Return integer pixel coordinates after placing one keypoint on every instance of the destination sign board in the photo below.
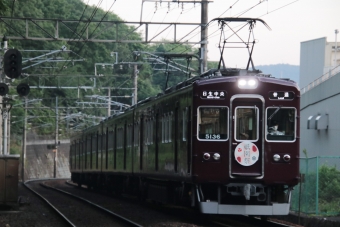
(281, 95)
(213, 94)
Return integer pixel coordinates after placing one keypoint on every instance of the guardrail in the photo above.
(323, 78)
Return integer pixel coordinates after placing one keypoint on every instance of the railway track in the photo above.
(210, 220)
(146, 214)
(77, 211)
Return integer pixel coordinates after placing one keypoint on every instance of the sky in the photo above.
(291, 22)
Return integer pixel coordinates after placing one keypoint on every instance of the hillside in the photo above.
(282, 71)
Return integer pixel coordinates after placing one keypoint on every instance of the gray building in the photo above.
(320, 98)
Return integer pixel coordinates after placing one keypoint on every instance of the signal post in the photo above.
(10, 68)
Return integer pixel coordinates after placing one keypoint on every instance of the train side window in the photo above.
(129, 135)
(94, 144)
(88, 151)
(120, 137)
(281, 124)
(246, 123)
(167, 127)
(212, 123)
(136, 134)
(185, 124)
(170, 126)
(148, 131)
(163, 129)
(152, 120)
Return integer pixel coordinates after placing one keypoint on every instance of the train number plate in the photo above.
(212, 136)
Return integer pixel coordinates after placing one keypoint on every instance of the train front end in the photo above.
(245, 146)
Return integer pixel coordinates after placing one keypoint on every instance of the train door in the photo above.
(246, 156)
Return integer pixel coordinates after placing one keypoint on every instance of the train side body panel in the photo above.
(162, 148)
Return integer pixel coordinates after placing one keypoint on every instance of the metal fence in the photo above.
(319, 190)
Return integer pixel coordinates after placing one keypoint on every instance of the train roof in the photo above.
(233, 73)
(211, 76)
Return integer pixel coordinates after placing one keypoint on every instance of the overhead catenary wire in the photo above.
(238, 15)
(92, 16)
(82, 30)
(198, 32)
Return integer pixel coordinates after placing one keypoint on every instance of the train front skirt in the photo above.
(213, 207)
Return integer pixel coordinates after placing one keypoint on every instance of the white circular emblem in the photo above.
(246, 153)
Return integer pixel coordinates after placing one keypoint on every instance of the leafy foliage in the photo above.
(164, 79)
(321, 189)
(48, 79)
(329, 189)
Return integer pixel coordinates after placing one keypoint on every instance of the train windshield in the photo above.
(212, 123)
(281, 124)
(246, 125)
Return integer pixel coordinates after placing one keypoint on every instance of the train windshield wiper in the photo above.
(277, 109)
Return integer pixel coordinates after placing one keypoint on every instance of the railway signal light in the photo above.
(23, 89)
(3, 89)
(12, 63)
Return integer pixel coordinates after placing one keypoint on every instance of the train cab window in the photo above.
(212, 123)
(280, 124)
(246, 123)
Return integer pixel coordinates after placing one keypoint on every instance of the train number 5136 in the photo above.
(212, 136)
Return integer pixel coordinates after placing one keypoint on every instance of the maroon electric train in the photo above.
(226, 141)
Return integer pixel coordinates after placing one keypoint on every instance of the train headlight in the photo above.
(242, 82)
(276, 157)
(217, 156)
(286, 157)
(206, 156)
(247, 83)
(251, 82)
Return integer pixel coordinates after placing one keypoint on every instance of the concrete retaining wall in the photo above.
(40, 160)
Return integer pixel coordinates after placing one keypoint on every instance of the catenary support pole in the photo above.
(204, 35)
(55, 151)
(23, 153)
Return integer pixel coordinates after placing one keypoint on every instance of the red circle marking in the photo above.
(239, 159)
(254, 148)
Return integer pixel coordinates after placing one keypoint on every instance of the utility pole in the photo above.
(135, 73)
(336, 47)
(109, 102)
(23, 153)
(2, 77)
(9, 132)
(4, 111)
(204, 35)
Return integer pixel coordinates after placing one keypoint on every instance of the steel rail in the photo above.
(48, 203)
(94, 205)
